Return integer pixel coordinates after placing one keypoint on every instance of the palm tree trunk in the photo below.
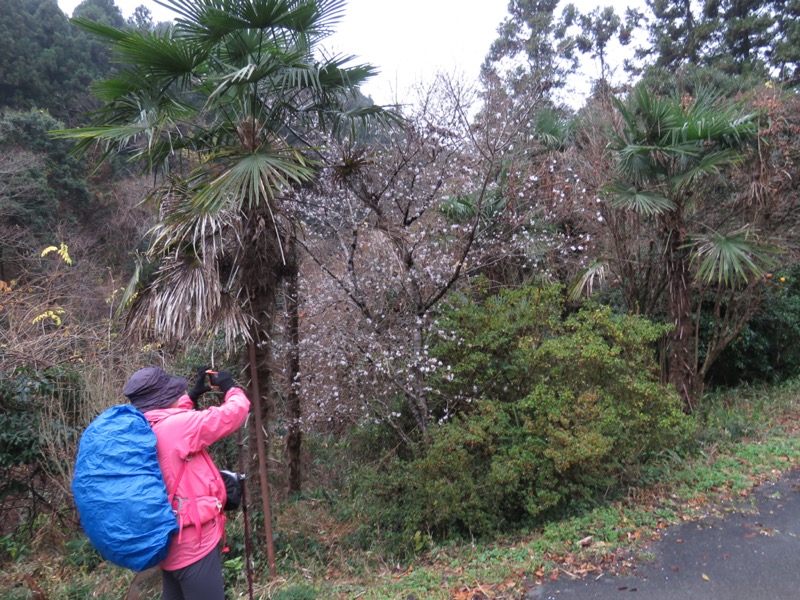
(682, 371)
(262, 265)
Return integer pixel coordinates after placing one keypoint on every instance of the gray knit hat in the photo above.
(153, 387)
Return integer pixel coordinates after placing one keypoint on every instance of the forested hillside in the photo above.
(458, 318)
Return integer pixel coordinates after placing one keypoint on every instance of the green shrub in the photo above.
(24, 455)
(547, 414)
(766, 349)
(81, 554)
(483, 346)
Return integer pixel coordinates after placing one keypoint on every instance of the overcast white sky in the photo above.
(407, 41)
(410, 41)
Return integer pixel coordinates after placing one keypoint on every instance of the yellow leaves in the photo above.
(112, 297)
(6, 287)
(53, 315)
(62, 250)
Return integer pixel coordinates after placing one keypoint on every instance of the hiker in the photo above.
(192, 569)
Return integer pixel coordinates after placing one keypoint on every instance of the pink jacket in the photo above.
(182, 435)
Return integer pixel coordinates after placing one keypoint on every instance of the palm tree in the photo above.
(673, 187)
(225, 108)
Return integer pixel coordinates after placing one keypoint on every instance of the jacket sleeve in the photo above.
(214, 423)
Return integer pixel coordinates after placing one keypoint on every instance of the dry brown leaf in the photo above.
(570, 574)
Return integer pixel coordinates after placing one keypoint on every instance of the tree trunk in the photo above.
(419, 399)
(294, 434)
(682, 370)
(262, 266)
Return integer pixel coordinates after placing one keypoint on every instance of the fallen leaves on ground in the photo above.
(481, 592)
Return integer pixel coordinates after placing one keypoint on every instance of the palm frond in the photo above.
(160, 55)
(552, 130)
(184, 227)
(134, 285)
(669, 144)
(212, 20)
(645, 202)
(730, 259)
(585, 282)
(458, 208)
(107, 32)
(357, 122)
(335, 73)
(186, 301)
(708, 164)
(230, 179)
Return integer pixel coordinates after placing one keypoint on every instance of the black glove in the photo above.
(200, 386)
(223, 380)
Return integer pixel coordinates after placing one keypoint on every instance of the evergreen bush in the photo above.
(766, 349)
(545, 413)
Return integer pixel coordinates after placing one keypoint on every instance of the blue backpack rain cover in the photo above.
(119, 490)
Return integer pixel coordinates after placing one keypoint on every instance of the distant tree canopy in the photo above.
(100, 11)
(542, 42)
(736, 36)
(533, 45)
(48, 62)
(58, 177)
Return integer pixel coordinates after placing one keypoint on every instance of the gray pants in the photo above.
(201, 580)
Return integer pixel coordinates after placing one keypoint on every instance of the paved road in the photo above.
(747, 555)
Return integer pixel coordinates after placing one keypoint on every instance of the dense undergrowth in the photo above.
(555, 448)
(743, 437)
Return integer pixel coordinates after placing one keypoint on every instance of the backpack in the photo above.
(119, 490)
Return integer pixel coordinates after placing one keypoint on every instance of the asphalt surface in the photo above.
(752, 553)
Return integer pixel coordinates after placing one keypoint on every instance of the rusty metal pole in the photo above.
(262, 457)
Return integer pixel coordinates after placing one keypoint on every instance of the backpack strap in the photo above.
(191, 499)
(178, 479)
(220, 505)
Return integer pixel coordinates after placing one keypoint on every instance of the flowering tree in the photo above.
(400, 224)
